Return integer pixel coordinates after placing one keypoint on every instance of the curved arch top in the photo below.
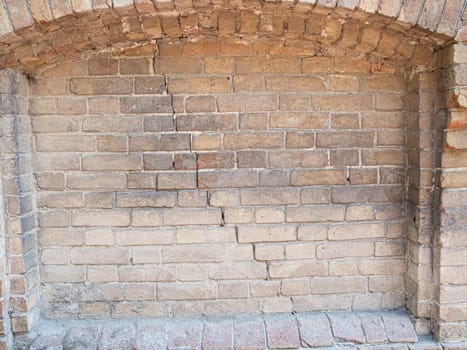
(440, 16)
(38, 32)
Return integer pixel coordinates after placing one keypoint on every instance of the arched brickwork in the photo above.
(379, 36)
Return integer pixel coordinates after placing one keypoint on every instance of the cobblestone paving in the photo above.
(326, 331)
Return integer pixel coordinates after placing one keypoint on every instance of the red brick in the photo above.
(216, 160)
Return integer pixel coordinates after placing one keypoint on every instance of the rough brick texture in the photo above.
(161, 183)
(208, 159)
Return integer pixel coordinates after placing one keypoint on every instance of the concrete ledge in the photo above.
(324, 330)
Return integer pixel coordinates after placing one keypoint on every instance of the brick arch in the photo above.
(41, 32)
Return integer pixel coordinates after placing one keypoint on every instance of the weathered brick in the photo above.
(158, 161)
(176, 181)
(214, 122)
(297, 159)
(270, 233)
(175, 217)
(112, 124)
(145, 104)
(294, 269)
(112, 162)
(100, 218)
(150, 85)
(298, 120)
(295, 83)
(227, 179)
(100, 256)
(145, 199)
(317, 177)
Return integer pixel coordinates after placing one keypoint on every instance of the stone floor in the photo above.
(324, 330)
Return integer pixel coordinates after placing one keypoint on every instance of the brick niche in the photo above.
(219, 159)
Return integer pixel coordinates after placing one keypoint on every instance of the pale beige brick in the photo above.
(238, 271)
(146, 255)
(102, 200)
(343, 268)
(145, 217)
(347, 249)
(112, 162)
(221, 234)
(276, 304)
(139, 291)
(233, 290)
(385, 283)
(187, 291)
(145, 237)
(100, 218)
(99, 256)
(223, 198)
(54, 218)
(60, 200)
(102, 274)
(146, 273)
(339, 285)
(193, 253)
(265, 252)
(356, 231)
(176, 181)
(300, 251)
(269, 215)
(315, 232)
(359, 213)
(290, 287)
(269, 233)
(315, 213)
(192, 199)
(266, 196)
(191, 235)
(316, 195)
(192, 272)
(52, 124)
(265, 288)
(99, 237)
(382, 266)
(243, 252)
(65, 143)
(145, 199)
(389, 248)
(96, 181)
(175, 217)
(64, 274)
(55, 256)
(50, 181)
(61, 237)
(293, 269)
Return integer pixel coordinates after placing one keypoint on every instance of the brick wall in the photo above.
(19, 269)
(230, 158)
(234, 182)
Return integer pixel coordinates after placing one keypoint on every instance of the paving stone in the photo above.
(185, 335)
(249, 335)
(217, 336)
(47, 342)
(151, 336)
(315, 330)
(373, 328)
(384, 347)
(425, 346)
(81, 338)
(282, 333)
(455, 346)
(399, 328)
(347, 327)
(117, 337)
